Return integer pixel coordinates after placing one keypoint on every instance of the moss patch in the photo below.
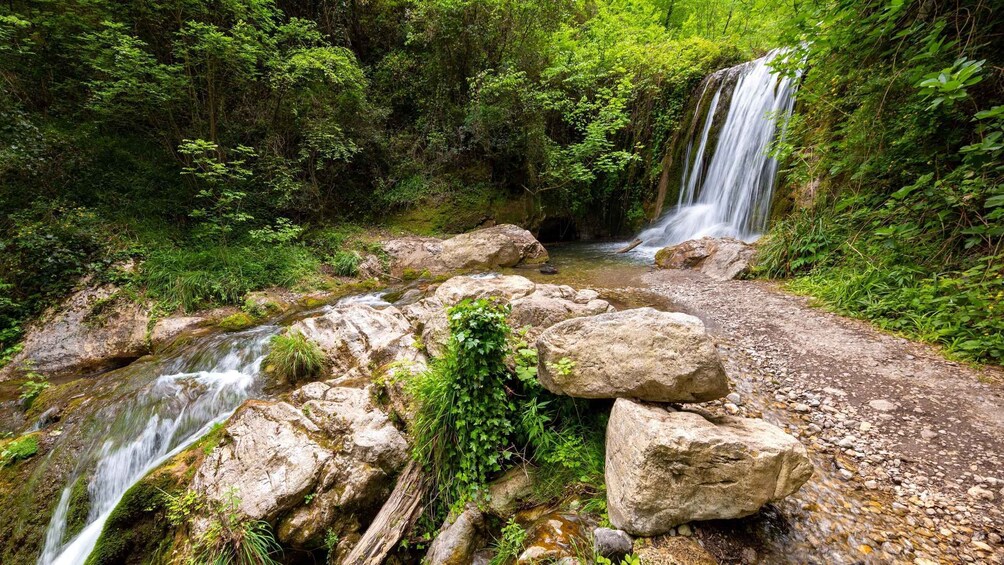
(237, 321)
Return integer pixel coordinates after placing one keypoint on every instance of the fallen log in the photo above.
(630, 246)
(395, 517)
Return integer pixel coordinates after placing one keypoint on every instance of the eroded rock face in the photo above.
(721, 258)
(95, 329)
(641, 353)
(556, 537)
(338, 449)
(489, 248)
(665, 468)
(359, 339)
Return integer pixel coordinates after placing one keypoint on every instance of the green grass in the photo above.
(294, 358)
(210, 276)
(18, 450)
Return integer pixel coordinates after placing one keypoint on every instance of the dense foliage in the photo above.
(209, 142)
(896, 153)
(477, 417)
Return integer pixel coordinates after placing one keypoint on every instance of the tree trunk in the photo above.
(397, 515)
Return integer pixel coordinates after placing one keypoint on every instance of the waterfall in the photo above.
(156, 411)
(728, 193)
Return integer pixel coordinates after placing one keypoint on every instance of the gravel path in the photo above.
(908, 446)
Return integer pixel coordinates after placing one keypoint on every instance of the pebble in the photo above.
(684, 530)
(872, 484)
(799, 407)
(928, 434)
(846, 475)
(734, 398)
(882, 405)
(980, 493)
(865, 427)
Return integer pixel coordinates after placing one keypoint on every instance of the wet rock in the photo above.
(357, 339)
(612, 544)
(305, 470)
(666, 468)
(169, 330)
(548, 269)
(489, 248)
(458, 538)
(95, 329)
(556, 536)
(641, 353)
(719, 258)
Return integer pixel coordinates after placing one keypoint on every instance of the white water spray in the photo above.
(150, 423)
(729, 192)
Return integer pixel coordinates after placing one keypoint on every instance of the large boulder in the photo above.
(325, 465)
(489, 248)
(95, 329)
(665, 468)
(358, 339)
(641, 353)
(721, 258)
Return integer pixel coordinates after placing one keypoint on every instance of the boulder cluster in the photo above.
(666, 465)
(721, 258)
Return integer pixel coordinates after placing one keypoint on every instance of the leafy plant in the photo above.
(464, 423)
(35, 383)
(510, 544)
(229, 538)
(293, 357)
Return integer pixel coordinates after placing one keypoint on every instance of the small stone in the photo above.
(548, 269)
(882, 405)
(980, 493)
(928, 434)
(612, 544)
(994, 538)
(982, 545)
(872, 484)
(734, 398)
(731, 408)
(684, 530)
(799, 407)
(865, 427)
(846, 475)
(847, 441)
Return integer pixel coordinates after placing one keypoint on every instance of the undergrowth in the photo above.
(477, 416)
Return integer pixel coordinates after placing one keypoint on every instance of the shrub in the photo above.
(464, 425)
(32, 387)
(231, 538)
(294, 358)
(510, 544)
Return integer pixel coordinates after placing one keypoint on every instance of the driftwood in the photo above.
(630, 246)
(397, 515)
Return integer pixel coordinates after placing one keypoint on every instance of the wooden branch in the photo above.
(397, 515)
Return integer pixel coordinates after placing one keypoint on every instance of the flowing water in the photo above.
(728, 191)
(153, 411)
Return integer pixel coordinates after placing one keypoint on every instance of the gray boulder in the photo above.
(612, 544)
(721, 258)
(665, 468)
(641, 353)
(305, 470)
(359, 339)
(95, 329)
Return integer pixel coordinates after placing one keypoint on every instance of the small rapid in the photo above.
(727, 191)
(156, 410)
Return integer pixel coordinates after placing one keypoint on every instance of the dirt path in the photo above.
(909, 447)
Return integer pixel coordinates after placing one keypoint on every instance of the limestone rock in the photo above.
(358, 339)
(665, 468)
(551, 304)
(721, 258)
(489, 248)
(641, 353)
(95, 329)
(507, 492)
(306, 469)
(458, 539)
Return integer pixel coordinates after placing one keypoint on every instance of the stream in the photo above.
(153, 410)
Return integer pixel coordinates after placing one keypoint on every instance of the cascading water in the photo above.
(728, 193)
(157, 410)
